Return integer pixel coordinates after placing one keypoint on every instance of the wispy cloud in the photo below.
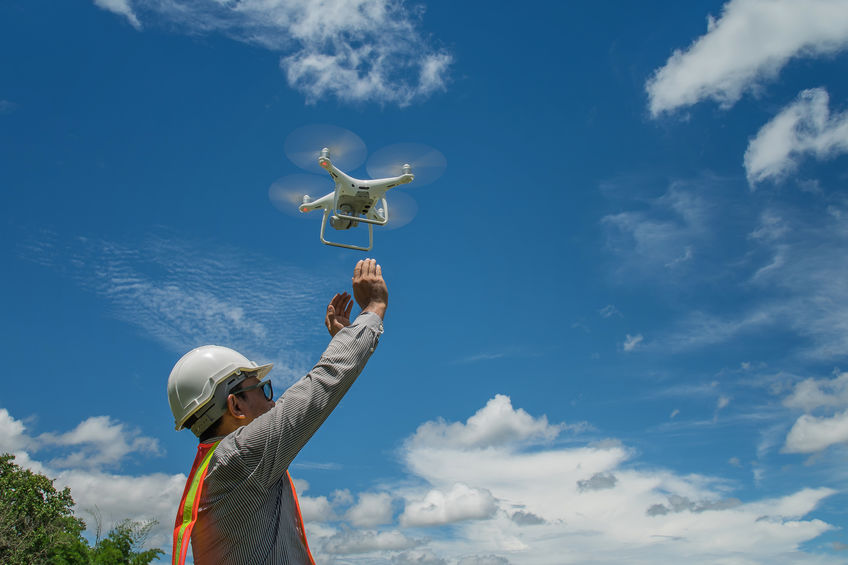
(774, 261)
(491, 356)
(609, 311)
(122, 8)
(663, 236)
(746, 47)
(184, 294)
(805, 127)
(353, 50)
(631, 342)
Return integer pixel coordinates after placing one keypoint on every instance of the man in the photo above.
(239, 490)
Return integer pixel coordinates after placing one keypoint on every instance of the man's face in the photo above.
(252, 403)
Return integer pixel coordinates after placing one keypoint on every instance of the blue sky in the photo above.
(617, 324)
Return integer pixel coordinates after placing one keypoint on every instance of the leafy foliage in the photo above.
(121, 543)
(37, 525)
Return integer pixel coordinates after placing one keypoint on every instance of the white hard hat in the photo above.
(202, 379)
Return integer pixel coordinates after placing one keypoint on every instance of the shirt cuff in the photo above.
(371, 320)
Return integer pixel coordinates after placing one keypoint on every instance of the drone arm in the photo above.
(387, 183)
(324, 202)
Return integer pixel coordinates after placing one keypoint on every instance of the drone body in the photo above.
(353, 201)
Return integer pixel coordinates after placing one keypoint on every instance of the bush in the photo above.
(37, 526)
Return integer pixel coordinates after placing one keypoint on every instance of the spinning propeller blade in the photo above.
(303, 146)
(286, 193)
(402, 209)
(427, 163)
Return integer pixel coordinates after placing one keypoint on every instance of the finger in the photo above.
(357, 270)
(371, 267)
(347, 310)
(338, 301)
(331, 315)
(379, 271)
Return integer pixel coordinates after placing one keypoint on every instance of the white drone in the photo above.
(354, 201)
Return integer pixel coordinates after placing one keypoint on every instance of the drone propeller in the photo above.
(427, 163)
(286, 193)
(402, 209)
(303, 146)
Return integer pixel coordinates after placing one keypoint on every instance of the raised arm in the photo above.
(271, 442)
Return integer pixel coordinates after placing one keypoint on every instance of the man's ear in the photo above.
(234, 407)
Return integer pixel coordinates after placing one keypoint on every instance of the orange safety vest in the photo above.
(187, 513)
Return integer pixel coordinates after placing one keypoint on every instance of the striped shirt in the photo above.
(247, 513)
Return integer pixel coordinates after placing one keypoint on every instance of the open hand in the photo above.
(369, 288)
(338, 313)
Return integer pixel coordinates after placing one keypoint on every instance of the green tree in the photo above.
(123, 545)
(37, 526)
(36, 520)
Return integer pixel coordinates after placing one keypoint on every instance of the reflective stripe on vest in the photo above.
(187, 513)
(300, 529)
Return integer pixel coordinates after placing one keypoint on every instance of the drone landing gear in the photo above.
(344, 219)
(336, 221)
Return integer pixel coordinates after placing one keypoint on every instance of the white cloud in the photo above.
(12, 436)
(810, 394)
(805, 127)
(99, 441)
(353, 542)
(417, 557)
(457, 504)
(353, 50)
(484, 560)
(747, 46)
(315, 508)
(810, 434)
(590, 500)
(372, 509)
(631, 341)
(120, 7)
(495, 424)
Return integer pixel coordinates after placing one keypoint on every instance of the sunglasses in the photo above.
(267, 389)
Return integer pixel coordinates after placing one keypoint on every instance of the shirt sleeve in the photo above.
(268, 445)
